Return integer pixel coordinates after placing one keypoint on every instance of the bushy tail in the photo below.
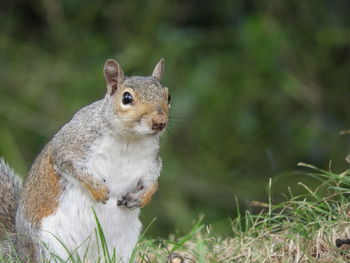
(10, 187)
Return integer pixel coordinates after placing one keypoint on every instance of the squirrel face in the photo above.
(140, 104)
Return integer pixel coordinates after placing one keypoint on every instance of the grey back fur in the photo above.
(10, 187)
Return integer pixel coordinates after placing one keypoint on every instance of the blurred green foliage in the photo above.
(256, 87)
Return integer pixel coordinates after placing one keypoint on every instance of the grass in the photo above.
(302, 229)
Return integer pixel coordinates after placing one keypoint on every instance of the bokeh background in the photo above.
(256, 86)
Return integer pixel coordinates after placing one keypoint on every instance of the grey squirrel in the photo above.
(107, 159)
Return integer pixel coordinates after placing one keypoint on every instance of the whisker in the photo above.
(174, 121)
(180, 118)
(168, 131)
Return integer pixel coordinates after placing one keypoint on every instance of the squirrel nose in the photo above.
(158, 126)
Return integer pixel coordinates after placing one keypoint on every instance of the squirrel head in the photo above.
(140, 105)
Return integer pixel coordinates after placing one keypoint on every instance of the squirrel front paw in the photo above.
(98, 190)
(140, 198)
(130, 200)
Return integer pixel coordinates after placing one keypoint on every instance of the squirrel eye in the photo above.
(127, 98)
(169, 98)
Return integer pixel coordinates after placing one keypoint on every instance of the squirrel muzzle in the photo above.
(159, 121)
(158, 126)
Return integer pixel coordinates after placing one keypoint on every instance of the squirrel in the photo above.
(105, 160)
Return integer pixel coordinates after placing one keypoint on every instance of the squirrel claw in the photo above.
(129, 202)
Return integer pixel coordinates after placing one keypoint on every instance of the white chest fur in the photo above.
(122, 165)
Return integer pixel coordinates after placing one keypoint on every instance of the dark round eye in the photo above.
(169, 98)
(127, 98)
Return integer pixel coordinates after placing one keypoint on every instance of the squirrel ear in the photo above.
(158, 71)
(114, 75)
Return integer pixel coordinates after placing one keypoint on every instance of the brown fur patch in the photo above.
(41, 189)
(99, 191)
(147, 196)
